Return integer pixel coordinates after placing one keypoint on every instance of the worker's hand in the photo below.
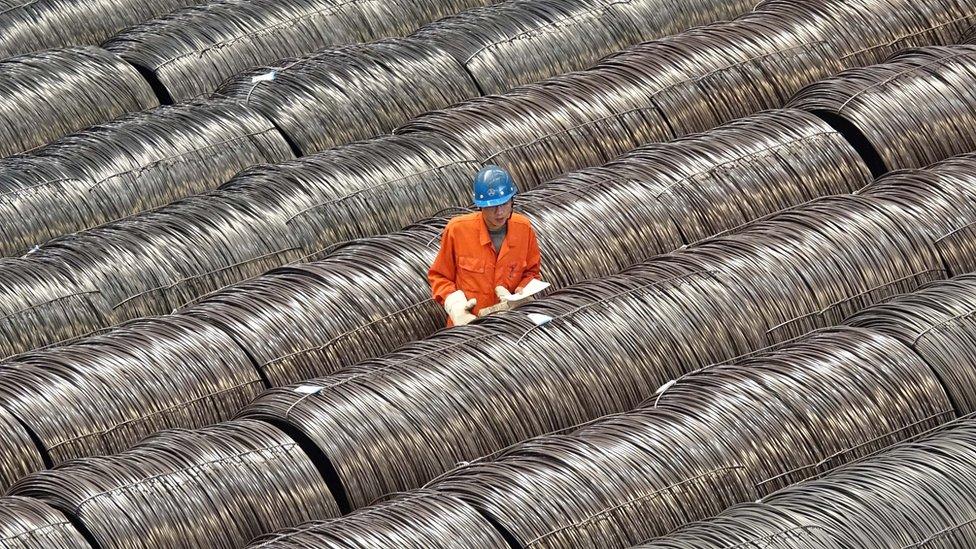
(458, 307)
(500, 306)
(503, 293)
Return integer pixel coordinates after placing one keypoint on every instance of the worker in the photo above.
(487, 255)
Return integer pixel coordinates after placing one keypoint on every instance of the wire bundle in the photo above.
(592, 223)
(29, 524)
(937, 322)
(19, 456)
(40, 305)
(612, 342)
(153, 263)
(216, 487)
(347, 94)
(190, 52)
(913, 110)
(679, 85)
(50, 94)
(722, 436)
(419, 520)
(522, 41)
(915, 495)
(105, 393)
(35, 25)
(135, 163)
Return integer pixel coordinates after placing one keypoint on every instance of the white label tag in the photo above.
(266, 77)
(539, 319)
(665, 387)
(533, 287)
(308, 389)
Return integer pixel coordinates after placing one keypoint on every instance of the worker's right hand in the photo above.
(459, 307)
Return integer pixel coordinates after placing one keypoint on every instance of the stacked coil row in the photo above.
(273, 215)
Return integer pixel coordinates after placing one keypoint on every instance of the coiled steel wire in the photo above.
(40, 305)
(910, 111)
(50, 94)
(34, 25)
(591, 223)
(134, 163)
(215, 487)
(30, 524)
(937, 322)
(338, 96)
(470, 391)
(915, 495)
(207, 242)
(521, 41)
(726, 435)
(419, 520)
(105, 393)
(683, 84)
(19, 456)
(190, 52)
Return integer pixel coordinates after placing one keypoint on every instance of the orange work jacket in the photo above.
(467, 260)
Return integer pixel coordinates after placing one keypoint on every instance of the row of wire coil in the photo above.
(272, 215)
(321, 448)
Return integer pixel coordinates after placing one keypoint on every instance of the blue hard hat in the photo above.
(493, 186)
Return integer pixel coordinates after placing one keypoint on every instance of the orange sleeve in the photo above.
(443, 273)
(533, 260)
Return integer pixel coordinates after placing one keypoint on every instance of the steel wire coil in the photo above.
(105, 393)
(714, 438)
(915, 495)
(35, 25)
(50, 94)
(913, 110)
(20, 455)
(339, 96)
(40, 304)
(153, 263)
(521, 41)
(30, 524)
(216, 487)
(937, 322)
(422, 519)
(134, 163)
(190, 52)
(709, 303)
(591, 223)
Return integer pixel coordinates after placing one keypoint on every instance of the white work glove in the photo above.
(503, 305)
(458, 307)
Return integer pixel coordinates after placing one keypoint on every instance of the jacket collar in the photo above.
(483, 235)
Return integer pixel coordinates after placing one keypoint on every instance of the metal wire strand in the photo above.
(35, 25)
(521, 41)
(20, 455)
(105, 393)
(916, 495)
(50, 94)
(214, 487)
(134, 163)
(190, 52)
(339, 96)
(422, 519)
(30, 524)
(912, 110)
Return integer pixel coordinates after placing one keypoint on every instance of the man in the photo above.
(487, 255)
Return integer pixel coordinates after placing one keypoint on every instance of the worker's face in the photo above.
(497, 216)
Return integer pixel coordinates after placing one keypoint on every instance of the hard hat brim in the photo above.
(492, 202)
